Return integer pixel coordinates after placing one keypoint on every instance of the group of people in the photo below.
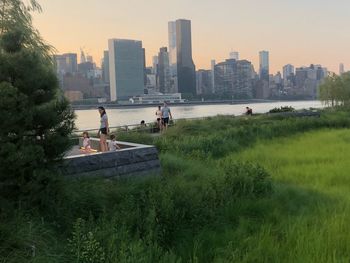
(163, 115)
(103, 133)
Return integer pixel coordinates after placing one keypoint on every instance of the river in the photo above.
(89, 119)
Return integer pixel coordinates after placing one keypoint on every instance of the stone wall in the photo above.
(135, 160)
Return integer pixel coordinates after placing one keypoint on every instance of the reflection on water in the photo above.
(89, 119)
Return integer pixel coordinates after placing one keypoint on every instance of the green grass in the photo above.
(260, 189)
(315, 228)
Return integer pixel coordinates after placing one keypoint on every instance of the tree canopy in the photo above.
(335, 91)
(35, 119)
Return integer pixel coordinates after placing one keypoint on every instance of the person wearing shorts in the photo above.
(166, 115)
(104, 129)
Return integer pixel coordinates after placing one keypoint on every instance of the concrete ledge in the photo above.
(134, 159)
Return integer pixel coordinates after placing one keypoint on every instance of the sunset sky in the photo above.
(299, 32)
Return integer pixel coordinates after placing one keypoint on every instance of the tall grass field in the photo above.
(251, 189)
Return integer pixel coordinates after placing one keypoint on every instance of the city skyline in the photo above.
(293, 32)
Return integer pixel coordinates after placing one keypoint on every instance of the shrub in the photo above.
(35, 121)
(282, 109)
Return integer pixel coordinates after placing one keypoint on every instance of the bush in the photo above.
(35, 122)
(282, 109)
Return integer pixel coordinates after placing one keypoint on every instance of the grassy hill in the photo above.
(261, 189)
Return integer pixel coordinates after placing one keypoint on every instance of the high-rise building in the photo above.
(234, 55)
(213, 75)
(66, 63)
(127, 68)
(89, 59)
(154, 64)
(182, 68)
(288, 70)
(163, 71)
(204, 82)
(264, 65)
(288, 74)
(233, 78)
(341, 69)
(278, 78)
(105, 66)
(82, 56)
(308, 80)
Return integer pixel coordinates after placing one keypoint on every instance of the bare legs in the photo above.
(103, 142)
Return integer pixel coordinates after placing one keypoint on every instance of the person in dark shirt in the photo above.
(249, 111)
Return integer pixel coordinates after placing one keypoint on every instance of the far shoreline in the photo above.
(189, 103)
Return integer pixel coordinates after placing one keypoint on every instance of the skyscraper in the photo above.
(154, 64)
(66, 63)
(89, 59)
(182, 68)
(308, 80)
(204, 82)
(163, 71)
(264, 65)
(213, 62)
(127, 68)
(234, 55)
(341, 69)
(287, 71)
(288, 74)
(105, 66)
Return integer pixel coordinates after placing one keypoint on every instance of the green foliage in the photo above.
(83, 245)
(35, 121)
(16, 28)
(217, 137)
(282, 109)
(216, 200)
(335, 90)
(309, 224)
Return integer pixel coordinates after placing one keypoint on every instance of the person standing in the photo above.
(104, 129)
(166, 115)
(159, 117)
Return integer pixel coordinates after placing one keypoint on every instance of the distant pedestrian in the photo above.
(159, 117)
(249, 111)
(104, 129)
(166, 115)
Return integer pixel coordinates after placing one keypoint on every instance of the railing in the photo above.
(150, 126)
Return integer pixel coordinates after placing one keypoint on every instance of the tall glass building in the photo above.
(182, 68)
(105, 66)
(163, 71)
(264, 69)
(127, 68)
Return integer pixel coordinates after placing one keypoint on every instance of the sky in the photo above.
(299, 32)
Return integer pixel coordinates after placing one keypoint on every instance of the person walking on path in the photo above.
(159, 117)
(104, 129)
(166, 115)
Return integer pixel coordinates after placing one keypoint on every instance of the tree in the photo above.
(335, 91)
(35, 119)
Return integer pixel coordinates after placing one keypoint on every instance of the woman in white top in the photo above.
(104, 129)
